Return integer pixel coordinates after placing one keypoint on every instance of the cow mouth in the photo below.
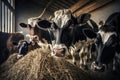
(59, 52)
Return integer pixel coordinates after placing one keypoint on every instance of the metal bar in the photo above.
(7, 20)
(0, 15)
(4, 18)
(9, 5)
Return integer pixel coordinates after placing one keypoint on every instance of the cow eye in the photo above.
(52, 29)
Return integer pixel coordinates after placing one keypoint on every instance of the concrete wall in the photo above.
(104, 12)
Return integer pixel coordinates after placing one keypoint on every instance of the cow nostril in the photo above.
(35, 37)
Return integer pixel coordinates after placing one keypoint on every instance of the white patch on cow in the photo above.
(27, 35)
(62, 17)
(40, 43)
(32, 21)
(20, 31)
(59, 46)
(105, 36)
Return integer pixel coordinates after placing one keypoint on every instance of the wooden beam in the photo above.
(65, 3)
(78, 5)
(93, 6)
(71, 2)
(57, 6)
(62, 4)
(9, 6)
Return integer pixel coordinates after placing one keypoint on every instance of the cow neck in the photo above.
(50, 35)
(73, 35)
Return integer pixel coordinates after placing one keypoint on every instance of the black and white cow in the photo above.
(23, 48)
(67, 30)
(107, 41)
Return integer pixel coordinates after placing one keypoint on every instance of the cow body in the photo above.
(7, 46)
(107, 41)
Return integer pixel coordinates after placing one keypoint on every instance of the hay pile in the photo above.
(39, 65)
(9, 63)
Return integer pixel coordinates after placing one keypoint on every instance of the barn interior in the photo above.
(13, 12)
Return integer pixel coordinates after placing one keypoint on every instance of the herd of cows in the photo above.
(66, 34)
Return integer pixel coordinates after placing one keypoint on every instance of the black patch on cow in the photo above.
(83, 18)
(44, 24)
(23, 47)
(108, 28)
(90, 33)
(94, 25)
(23, 25)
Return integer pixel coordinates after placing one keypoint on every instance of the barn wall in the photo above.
(25, 10)
(103, 12)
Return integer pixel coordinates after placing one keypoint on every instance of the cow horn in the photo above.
(45, 9)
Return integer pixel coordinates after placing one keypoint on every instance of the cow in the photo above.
(37, 35)
(8, 43)
(24, 47)
(107, 42)
(67, 30)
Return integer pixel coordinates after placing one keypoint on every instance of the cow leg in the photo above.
(73, 60)
(90, 52)
(82, 59)
(81, 62)
(85, 59)
(72, 52)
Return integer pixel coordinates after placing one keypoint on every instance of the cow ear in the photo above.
(83, 18)
(23, 25)
(89, 33)
(15, 43)
(43, 24)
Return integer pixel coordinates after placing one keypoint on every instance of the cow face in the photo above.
(62, 30)
(34, 31)
(106, 41)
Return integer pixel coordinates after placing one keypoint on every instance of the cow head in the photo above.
(63, 29)
(34, 31)
(106, 41)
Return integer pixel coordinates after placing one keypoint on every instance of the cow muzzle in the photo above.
(34, 38)
(59, 50)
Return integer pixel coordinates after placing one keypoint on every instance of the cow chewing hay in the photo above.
(39, 65)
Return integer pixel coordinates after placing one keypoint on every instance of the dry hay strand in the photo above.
(39, 65)
(8, 63)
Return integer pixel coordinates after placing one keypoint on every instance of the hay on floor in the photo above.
(8, 63)
(39, 65)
